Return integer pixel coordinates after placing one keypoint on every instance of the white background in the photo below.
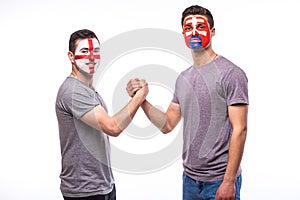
(262, 37)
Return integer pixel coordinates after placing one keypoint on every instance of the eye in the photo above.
(187, 28)
(84, 50)
(201, 26)
(97, 50)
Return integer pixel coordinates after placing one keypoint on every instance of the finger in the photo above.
(133, 86)
(133, 83)
(135, 91)
(132, 91)
(143, 83)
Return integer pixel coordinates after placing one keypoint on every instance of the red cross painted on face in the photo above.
(85, 48)
(87, 55)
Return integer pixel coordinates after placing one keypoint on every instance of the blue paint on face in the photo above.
(195, 42)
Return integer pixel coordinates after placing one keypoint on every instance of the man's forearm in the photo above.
(156, 116)
(236, 150)
(126, 114)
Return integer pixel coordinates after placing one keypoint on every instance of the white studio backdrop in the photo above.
(259, 36)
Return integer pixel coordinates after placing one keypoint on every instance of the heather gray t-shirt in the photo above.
(85, 151)
(204, 94)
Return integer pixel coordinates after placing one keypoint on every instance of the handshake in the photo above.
(164, 121)
(137, 87)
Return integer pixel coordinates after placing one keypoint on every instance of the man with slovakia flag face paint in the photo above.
(211, 97)
(84, 125)
(197, 32)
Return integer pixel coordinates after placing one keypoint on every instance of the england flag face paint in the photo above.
(196, 32)
(87, 55)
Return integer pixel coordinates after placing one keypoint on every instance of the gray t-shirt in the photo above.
(204, 94)
(85, 151)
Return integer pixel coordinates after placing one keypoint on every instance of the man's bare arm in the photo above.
(238, 119)
(99, 119)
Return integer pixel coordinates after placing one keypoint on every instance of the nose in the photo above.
(91, 57)
(194, 32)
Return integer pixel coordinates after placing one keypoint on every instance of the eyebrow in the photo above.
(191, 25)
(84, 48)
(190, 19)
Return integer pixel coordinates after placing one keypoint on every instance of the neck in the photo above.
(85, 78)
(203, 56)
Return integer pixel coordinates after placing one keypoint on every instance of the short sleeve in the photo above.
(76, 99)
(83, 101)
(175, 98)
(236, 87)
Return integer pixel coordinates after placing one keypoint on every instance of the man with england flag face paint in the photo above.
(87, 55)
(85, 126)
(211, 97)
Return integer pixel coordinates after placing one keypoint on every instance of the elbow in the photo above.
(114, 131)
(111, 129)
(244, 133)
(241, 132)
(166, 129)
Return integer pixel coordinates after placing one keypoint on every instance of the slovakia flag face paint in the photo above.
(87, 55)
(196, 32)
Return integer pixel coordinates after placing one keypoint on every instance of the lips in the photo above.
(195, 40)
(91, 64)
(91, 67)
(92, 70)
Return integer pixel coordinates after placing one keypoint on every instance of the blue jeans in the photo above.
(198, 190)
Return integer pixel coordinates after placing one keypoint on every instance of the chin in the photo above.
(198, 50)
(87, 74)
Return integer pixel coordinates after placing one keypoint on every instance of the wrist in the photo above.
(229, 179)
(138, 98)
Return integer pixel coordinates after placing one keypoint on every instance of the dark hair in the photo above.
(198, 10)
(80, 34)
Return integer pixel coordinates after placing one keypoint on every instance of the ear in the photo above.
(71, 57)
(213, 32)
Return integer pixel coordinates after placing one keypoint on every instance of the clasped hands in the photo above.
(137, 87)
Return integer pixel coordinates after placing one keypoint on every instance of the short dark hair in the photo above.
(80, 34)
(198, 10)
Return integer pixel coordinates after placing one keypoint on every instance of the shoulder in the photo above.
(227, 68)
(185, 75)
(189, 71)
(72, 89)
(225, 64)
(64, 88)
(64, 95)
